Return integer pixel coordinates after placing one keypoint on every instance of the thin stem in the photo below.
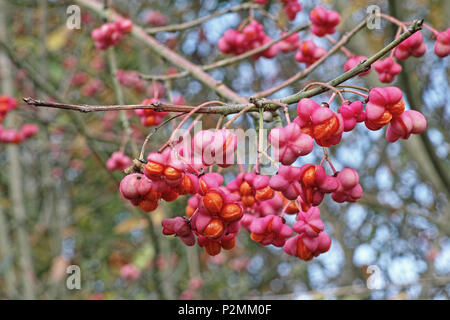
(317, 83)
(353, 87)
(435, 32)
(394, 20)
(284, 209)
(191, 113)
(285, 108)
(354, 91)
(193, 23)
(147, 138)
(327, 158)
(343, 48)
(240, 113)
(270, 158)
(260, 145)
(333, 95)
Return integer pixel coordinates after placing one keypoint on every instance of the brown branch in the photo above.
(156, 106)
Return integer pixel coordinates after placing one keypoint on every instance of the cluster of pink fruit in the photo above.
(155, 18)
(18, 136)
(414, 46)
(129, 272)
(118, 161)
(256, 202)
(88, 86)
(7, 104)
(150, 117)
(28, 130)
(131, 79)
(110, 34)
(324, 126)
(251, 37)
(323, 22)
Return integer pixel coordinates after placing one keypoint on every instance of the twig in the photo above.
(147, 138)
(193, 23)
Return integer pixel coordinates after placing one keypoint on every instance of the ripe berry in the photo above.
(213, 202)
(321, 123)
(384, 103)
(214, 229)
(308, 52)
(413, 46)
(323, 21)
(289, 143)
(231, 212)
(442, 44)
(387, 69)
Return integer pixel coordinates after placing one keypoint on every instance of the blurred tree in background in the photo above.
(60, 206)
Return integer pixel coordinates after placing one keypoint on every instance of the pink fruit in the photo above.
(323, 21)
(442, 44)
(289, 143)
(387, 69)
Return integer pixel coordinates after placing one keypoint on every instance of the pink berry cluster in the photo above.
(289, 44)
(17, 136)
(251, 37)
(7, 104)
(150, 117)
(118, 161)
(215, 213)
(131, 79)
(156, 18)
(442, 44)
(414, 46)
(110, 34)
(308, 52)
(386, 107)
(387, 69)
(323, 21)
(26, 131)
(130, 272)
(291, 8)
(310, 240)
